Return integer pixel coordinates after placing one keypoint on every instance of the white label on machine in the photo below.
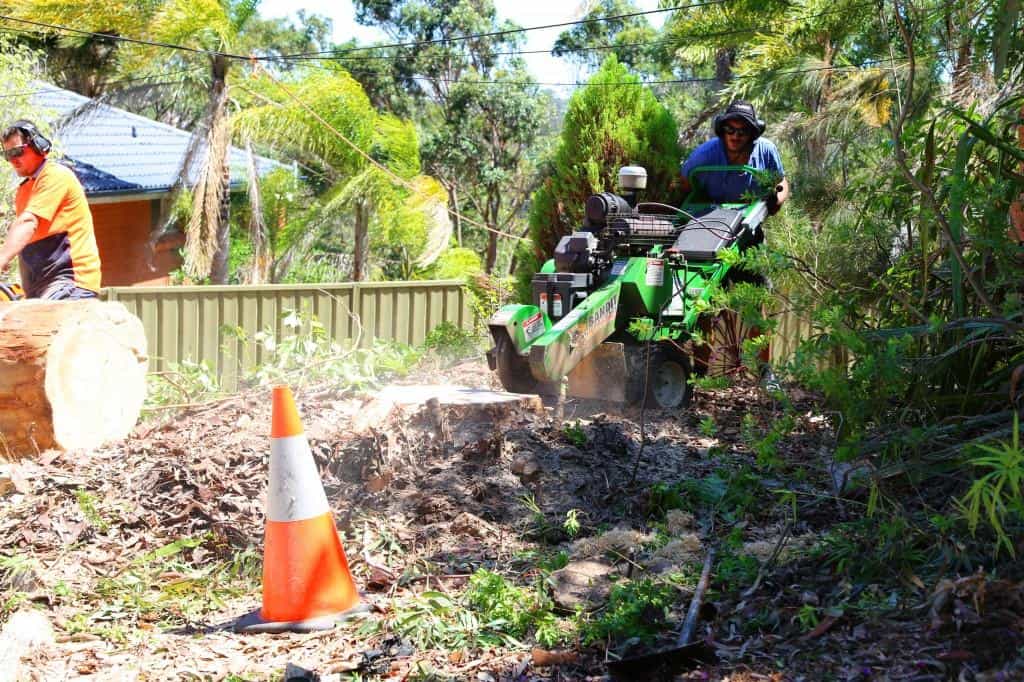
(655, 272)
(619, 266)
(533, 327)
(556, 306)
(544, 303)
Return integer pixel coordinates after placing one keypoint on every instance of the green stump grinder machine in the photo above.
(614, 308)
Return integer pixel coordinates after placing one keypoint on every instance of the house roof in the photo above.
(113, 151)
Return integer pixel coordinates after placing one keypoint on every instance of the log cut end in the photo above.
(73, 374)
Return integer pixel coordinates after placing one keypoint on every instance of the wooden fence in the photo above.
(211, 323)
(217, 324)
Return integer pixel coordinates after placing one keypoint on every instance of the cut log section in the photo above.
(72, 375)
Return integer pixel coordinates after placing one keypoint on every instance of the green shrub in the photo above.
(636, 608)
(451, 342)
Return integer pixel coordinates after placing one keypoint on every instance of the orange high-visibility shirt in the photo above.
(64, 243)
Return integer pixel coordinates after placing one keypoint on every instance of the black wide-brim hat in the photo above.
(743, 111)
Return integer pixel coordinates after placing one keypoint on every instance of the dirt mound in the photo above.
(141, 555)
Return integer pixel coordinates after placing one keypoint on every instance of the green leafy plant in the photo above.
(636, 608)
(554, 561)
(787, 498)
(870, 547)
(765, 447)
(736, 572)
(17, 571)
(712, 383)
(995, 496)
(538, 524)
(733, 570)
(575, 434)
(514, 611)
(641, 328)
(492, 612)
(571, 525)
(735, 494)
(164, 587)
(807, 616)
(436, 620)
(487, 294)
(181, 383)
(305, 353)
(663, 497)
(707, 427)
(87, 505)
(451, 342)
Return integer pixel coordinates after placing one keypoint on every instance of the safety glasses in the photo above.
(15, 151)
(741, 131)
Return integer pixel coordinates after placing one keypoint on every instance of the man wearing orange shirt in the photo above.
(52, 233)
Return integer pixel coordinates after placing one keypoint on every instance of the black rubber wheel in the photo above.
(514, 369)
(667, 377)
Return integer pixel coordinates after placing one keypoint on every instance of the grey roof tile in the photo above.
(119, 151)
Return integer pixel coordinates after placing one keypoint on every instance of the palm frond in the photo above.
(430, 199)
(204, 24)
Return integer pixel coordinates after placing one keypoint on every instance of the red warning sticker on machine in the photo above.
(655, 276)
(533, 327)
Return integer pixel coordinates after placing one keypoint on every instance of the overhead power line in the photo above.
(124, 39)
(474, 36)
(328, 55)
(673, 81)
(42, 91)
(340, 54)
(509, 31)
(287, 58)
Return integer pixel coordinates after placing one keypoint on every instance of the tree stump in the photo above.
(72, 375)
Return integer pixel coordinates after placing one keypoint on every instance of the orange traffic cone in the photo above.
(306, 582)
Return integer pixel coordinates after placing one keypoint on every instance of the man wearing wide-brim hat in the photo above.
(738, 142)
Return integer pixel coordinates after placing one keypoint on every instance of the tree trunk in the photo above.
(514, 261)
(218, 154)
(72, 375)
(723, 67)
(453, 199)
(492, 252)
(1017, 206)
(219, 269)
(359, 248)
(491, 219)
(815, 152)
(962, 86)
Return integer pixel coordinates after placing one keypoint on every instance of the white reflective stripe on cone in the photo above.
(295, 491)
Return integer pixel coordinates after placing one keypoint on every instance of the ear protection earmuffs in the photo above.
(742, 110)
(32, 136)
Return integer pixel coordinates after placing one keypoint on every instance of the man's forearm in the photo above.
(18, 236)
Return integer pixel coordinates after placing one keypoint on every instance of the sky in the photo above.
(544, 67)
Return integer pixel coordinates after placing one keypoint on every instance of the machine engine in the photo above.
(613, 307)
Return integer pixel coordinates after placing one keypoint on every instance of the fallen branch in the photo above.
(690, 624)
(770, 561)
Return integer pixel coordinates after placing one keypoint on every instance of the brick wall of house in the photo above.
(122, 233)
